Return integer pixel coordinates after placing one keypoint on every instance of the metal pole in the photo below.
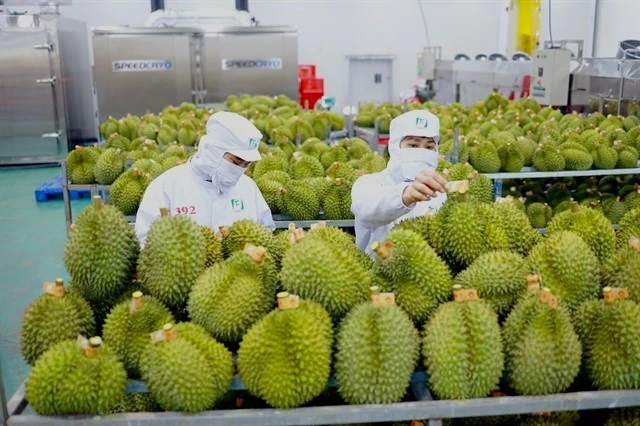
(242, 5)
(4, 413)
(620, 93)
(65, 194)
(157, 5)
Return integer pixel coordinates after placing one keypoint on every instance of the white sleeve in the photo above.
(374, 204)
(149, 209)
(263, 211)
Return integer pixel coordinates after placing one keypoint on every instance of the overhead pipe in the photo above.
(157, 5)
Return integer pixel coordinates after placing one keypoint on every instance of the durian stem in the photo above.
(97, 202)
(94, 345)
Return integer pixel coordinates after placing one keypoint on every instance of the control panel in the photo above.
(550, 76)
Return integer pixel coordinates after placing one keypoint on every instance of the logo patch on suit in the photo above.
(421, 123)
(237, 205)
(253, 143)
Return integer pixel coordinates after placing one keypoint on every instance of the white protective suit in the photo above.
(377, 198)
(210, 189)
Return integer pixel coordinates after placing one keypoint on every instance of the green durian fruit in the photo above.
(611, 340)
(300, 201)
(100, 252)
(109, 166)
(341, 170)
(128, 325)
(614, 209)
(271, 191)
(322, 272)
(632, 200)
(148, 131)
(336, 204)
(138, 402)
(243, 232)
(604, 157)
(510, 217)
(278, 176)
(186, 370)
(127, 191)
(171, 162)
(57, 315)
(148, 166)
(627, 156)
(594, 228)
(172, 259)
(213, 245)
(567, 266)
(539, 214)
(485, 158)
(356, 148)
(305, 166)
(500, 277)
(230, 297)
(287, 147)
(334, 154)
(118, 142)
(314, 147)
(285, 358)
(187, 135)
(167, 134)
(421, 225)
(624, 417)
(577, 159)
(376, 163)
(410, 268)
(548, 158)
(542, 350)
(629, 226)
(511, 158)
(80, 164)
(270, 163)
(377, 352)
(462, 349)
(339, 239)
(69, 379)
(623, 269)
(128, 127)
(336, 120)
(109, 127)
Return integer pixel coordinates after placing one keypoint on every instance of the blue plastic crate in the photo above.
(52, 190)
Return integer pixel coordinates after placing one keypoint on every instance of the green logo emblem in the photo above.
(237, 205)
(421, 123)
(253, 143)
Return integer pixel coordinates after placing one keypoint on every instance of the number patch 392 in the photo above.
(185, 210)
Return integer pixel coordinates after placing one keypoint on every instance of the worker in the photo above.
(211, 188)
(408, 187)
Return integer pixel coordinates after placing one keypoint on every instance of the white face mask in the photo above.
(227, 175)
(415, 160)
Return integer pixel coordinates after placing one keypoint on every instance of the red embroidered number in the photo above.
(185, 210)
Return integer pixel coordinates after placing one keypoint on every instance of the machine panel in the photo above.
(550, 76)
(141, 72)
(250, 61)
(28, 108)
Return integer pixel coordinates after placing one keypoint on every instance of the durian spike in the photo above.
(164, 212)
(138, 300)
(224, 231)
(97, 202)
(634, 243)
(92, 348)
(256, 254)
(575, 207)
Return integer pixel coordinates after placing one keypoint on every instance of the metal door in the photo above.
(370, 80)
(29, 127)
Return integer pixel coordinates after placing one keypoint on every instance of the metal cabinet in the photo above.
(46, 99)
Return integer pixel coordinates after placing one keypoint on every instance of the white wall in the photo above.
(617, 20)
(330, 29)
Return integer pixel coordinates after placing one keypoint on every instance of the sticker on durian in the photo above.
(82, 342)
(616, 294)
(53, 289)
(465, 294)
(549, 299)
(460, 186)
(383, 299)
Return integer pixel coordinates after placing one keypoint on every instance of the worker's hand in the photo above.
(425, 187)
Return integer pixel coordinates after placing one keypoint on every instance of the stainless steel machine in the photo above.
(46, 94)
(142, 70)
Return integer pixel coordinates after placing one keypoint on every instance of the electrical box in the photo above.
(550, 76)
(427, 65)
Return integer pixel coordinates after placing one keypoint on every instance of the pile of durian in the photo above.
(498, 135)
(473, 295)
(544, 198)
(315, 178)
